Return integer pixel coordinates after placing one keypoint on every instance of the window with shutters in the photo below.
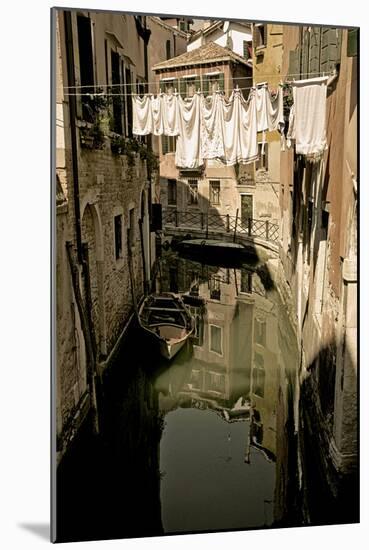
(128, 97)
(169, 85)
(188, 85)
(213, 82)
(260, 331)
(172, 192)
(260, 35)
(247, 49)
(118, 236)
(246, 281)
(214, 192)
(168, 144)
(193, 192)
(262, 163)
(117, 125)
(85, 65)
(258, 375)
(215, 292)
(216, 339)
(132, 233)
(352, 35)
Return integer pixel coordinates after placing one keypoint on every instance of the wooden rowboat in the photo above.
(168, 322)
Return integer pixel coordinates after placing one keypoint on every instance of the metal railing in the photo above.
(206, 221)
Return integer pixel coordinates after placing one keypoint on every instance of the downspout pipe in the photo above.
(73, 131)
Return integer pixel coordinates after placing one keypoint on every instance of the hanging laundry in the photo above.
(142, 115)
(212, 129)
(261, 102)
(275, 110)
(308, 123)
(188, 150)
(240, 129)
(157, 109)
(171, 114)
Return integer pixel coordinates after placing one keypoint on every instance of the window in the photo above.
(260, 331)
(247, 49)
(167, 49)
(214, 288)
(128, 96)
(352, 42)
(213, 82)
(172, 192)
(215, 381)
(168, 144)
(193, 192)
(117, 89)
(85, 65)
(183, 26)
(246, 281)
(214, 192)
(189, 85)
(260, 35)
(258, 375)
(131, 232)
(118, 237)
(216, 339)
(262, 163)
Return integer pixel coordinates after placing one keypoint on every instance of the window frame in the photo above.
(211, 192)
(191, 183)
(211, 325)
(173, 184)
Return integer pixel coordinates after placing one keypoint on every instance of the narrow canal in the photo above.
(204, 443)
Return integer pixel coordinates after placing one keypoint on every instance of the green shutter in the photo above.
(352, 35)
(314, 49)
(162, 86)
(294, 63)
(205, 85)
(182, 87)
(305, 54)
(198, 83)
(330, 48)
(221, 81)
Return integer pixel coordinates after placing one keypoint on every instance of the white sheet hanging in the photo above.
(142, 115)
(157, 109)
(170, 104)
(309, 116)
(188, 150)
(212, 127)
(240, 129)
(261, 101)
(275, 111)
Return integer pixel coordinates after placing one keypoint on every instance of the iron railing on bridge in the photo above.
(208, 222)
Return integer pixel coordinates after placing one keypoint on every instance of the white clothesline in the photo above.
(103, 94)
(156, 82)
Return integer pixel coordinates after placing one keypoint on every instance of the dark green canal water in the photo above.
(206, 442)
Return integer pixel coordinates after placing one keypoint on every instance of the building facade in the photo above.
(318, 250)
(214, 188)
(104, 193)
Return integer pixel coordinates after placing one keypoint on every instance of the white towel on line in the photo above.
(308, 116)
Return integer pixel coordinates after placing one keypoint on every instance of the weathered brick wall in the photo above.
(117, 187)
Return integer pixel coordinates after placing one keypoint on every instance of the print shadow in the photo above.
(42, 530)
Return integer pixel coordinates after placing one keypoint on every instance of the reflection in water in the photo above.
(203, 443)
(218, 452)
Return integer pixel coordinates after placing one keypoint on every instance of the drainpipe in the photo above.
(73, 130)
(146, 39)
